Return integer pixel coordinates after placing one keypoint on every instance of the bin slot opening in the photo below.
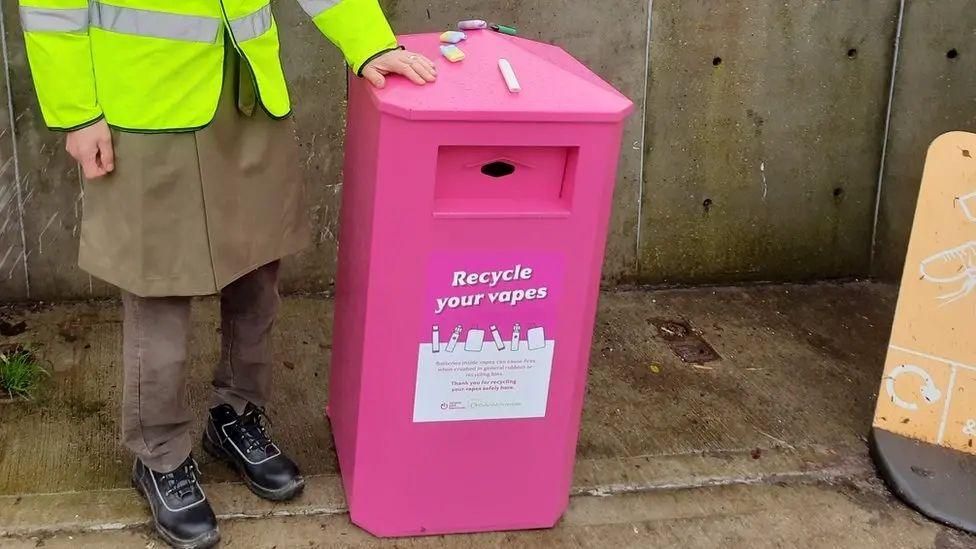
(498, 169)
(517, 180)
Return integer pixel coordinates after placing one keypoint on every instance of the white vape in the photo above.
(536, 338)
(508, 73)
(475, 340)
(499, 344)
(435, 339)
(455, 335)
(516, 334)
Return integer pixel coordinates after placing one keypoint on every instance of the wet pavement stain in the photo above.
(685, 342)
(67, 439)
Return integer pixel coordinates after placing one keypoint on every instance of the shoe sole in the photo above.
(285, 493)
(205, 541)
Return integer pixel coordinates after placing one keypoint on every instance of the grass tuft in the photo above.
(20, 374)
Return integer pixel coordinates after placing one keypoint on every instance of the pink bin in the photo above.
(472, 235)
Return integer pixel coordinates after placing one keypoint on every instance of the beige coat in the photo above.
(188, 213)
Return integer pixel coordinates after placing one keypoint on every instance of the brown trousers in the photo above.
(155, 416)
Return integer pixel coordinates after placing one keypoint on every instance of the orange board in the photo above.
(928, 391)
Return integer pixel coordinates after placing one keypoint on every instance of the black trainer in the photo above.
(244, 442)
(181, 512)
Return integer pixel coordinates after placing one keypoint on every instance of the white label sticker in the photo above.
(484, 384)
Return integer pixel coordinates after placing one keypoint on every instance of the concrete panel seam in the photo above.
(884, 140)
(643, 140)
(81, 198)
(13, 150)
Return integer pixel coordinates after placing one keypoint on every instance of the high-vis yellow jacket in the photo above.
(157, 65)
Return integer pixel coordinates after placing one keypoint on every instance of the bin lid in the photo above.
(555, 86)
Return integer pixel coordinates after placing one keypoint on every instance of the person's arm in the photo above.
(59, 54)
(357, 27)
(360, 30)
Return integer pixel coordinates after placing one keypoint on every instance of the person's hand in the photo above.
(414, 66)
(92, 148)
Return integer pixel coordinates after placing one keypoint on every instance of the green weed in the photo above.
(20, 374)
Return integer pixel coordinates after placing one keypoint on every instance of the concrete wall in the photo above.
(764, 127)
(754, 154)
(934, 92)
(13, 272)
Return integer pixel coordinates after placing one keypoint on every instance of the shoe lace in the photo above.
(253, 431)
(182, 481)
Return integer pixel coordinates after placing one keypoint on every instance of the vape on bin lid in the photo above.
(508, 73)
(497, 337)
(472, 24)
(516, 332)
(452, 37)
(475, 340)
(435, 340)
(505, 29)
(452, 53)
(455, 335)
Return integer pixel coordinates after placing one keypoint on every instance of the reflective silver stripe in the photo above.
(53, 20)
(155, 24)
(252, 25)
(315, 7)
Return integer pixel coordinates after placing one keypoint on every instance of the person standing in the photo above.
(192, 187)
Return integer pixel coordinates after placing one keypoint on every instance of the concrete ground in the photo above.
(762, 448)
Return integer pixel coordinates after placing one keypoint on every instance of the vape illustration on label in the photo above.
(435, 339)
(516, 334)
(475, 340)
(455, 335)
(499, 344)
(536, 338)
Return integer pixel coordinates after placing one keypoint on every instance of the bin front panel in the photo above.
(473, 229)
(437, 452)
